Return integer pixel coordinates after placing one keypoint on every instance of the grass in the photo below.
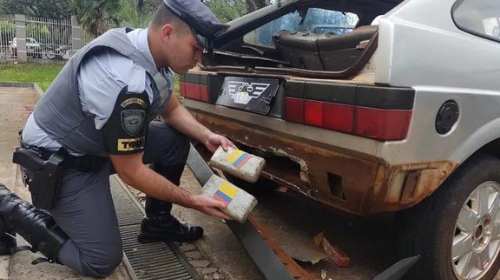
(42, 74)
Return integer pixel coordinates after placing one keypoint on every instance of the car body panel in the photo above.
(364, 176)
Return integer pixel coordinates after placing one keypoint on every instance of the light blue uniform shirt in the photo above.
(100, 80)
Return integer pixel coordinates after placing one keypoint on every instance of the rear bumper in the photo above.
(356, 185)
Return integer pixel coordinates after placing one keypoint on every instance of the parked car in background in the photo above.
(59, 52)
(33, 48)
(402, 116)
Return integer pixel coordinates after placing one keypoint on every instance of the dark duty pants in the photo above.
(86, 213)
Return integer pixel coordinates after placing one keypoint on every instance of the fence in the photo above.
(7, 33)
(29, 38)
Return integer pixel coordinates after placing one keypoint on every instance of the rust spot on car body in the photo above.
(295, 270)
(359, 186)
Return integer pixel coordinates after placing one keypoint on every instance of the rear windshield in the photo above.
(316, 21)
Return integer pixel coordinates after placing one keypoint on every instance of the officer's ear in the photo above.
(167, 31)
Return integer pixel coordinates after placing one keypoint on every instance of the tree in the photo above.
(54, 9)
(146, 8)
(97, 16)
(253, 5)
(227, 10)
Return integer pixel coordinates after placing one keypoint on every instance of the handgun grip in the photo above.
(28, 159)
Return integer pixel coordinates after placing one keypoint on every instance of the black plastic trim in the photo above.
(192, 78)
(294, 89)
(215, 83)
(366, 96)
(203, 79)
(385, 97)
(343, 94)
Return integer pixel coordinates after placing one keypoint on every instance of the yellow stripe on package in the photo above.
(238, 202)
(238, 163)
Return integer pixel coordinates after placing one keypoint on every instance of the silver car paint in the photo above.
(421, 47)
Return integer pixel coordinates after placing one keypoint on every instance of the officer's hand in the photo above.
(216, 140)
(209, 206)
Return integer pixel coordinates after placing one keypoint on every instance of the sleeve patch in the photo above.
(125, 131)
(133, 120)
(130, 145)
(131, 101)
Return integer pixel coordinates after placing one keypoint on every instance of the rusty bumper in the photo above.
(346, 182)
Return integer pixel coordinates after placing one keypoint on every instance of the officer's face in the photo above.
(184, 51)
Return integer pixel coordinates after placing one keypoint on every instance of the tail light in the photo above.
(382, 124)
(194, 86)
(389, 122)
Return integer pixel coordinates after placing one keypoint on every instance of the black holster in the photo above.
(43, 177)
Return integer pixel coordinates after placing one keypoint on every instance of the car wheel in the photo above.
(456, 231)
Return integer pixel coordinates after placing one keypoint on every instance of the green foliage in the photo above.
(97, 16)
(38, 31)
(224, 10)
(42, 74)
(7, 31)
(146, 8)
(128, 15)
(227, 10)
(54, 9)
(253, 5)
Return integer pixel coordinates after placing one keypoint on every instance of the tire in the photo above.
(431, 228)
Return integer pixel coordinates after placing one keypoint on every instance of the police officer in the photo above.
(99, 112)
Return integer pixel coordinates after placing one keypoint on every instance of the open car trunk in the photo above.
(315, 39)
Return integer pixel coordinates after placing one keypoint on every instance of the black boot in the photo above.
(159, 225)
(7, 238)
(36, 226)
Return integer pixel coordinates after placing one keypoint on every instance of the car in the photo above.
(58, 52)
(33, 48)
(399, 116)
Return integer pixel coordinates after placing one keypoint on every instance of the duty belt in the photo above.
(85, 163)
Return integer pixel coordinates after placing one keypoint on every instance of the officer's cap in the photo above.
(198, 16)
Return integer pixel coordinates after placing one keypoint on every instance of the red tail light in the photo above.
(182, 89)
(204, 93)
(382, 124)
(194, 86)
(338, 117)
(194, 91)
(313, 113)
(294, 109)
(379, 124)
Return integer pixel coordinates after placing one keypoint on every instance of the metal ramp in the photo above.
(158, 261)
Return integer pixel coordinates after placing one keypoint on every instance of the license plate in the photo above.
(249, 94)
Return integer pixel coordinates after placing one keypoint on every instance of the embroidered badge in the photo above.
(133, 120)
(127, 145)
(131, 101)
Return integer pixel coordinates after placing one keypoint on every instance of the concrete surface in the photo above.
(218, 255)
(16, 104)
(293, 220)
